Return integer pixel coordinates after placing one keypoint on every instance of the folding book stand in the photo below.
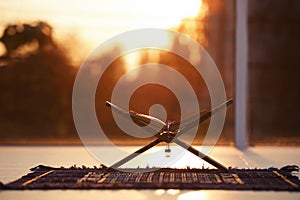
(169, 133)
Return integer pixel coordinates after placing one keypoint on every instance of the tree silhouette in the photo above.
(36, 87)
(16, 36)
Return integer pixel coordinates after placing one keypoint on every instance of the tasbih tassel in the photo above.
(168, 150)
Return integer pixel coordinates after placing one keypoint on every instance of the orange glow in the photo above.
(132, 61)
(82, 25)
(97, 20)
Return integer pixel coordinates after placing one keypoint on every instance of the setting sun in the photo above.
(164, 14)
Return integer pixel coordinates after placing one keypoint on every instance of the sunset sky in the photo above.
(93, 21)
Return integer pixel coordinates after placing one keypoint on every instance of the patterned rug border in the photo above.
(48, 178)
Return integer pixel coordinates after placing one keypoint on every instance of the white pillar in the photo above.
(241, 81)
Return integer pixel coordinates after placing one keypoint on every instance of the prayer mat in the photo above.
(45, 178)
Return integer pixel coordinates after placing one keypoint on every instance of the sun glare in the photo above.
(132, 60)
(164, 13)
(127, 15)
(95, 21)
(160, 14)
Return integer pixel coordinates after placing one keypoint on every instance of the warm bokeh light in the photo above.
(94, 21)
(132, 60)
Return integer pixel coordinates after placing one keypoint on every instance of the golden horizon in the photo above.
(82, 25)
